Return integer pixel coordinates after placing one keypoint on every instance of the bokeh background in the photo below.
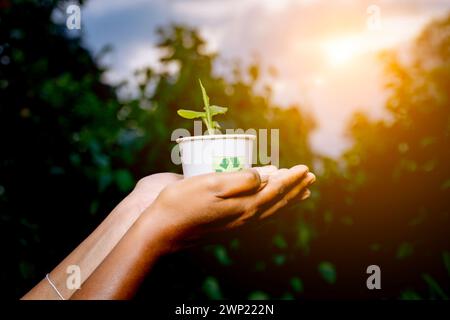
(365, 103)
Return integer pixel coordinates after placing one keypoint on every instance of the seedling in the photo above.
(207, 115)
(213, 152)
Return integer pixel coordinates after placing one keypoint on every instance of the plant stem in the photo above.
(208, 126)
(208, 120)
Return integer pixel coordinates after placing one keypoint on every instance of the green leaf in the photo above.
(124, 180)
(208, 117)
(190, 114)
(305, 235)
(328, 272)
(222, 255)
(410, 295)
(204, 95)
(279, 242)
(404, 250)
(234, 244)
(287, 296)
(211, 288)
(279, 259)
(215, 110)
(434, 287)
(297, 284)
(258, 295)
(105, 179)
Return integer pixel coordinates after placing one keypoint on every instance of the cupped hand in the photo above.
(148, 188)
(190, 208)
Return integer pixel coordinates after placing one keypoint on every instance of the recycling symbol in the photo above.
(228, 164)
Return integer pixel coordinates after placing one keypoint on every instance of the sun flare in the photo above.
(340, 51)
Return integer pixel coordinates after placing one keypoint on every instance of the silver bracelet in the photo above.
(53, 286)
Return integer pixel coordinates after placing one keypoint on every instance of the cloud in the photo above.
(287, 34)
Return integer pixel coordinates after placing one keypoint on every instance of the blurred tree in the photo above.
(392, 195)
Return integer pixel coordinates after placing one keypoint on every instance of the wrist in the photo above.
(154, 230)
(129, 206)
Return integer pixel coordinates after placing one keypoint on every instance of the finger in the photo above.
(301, 190)
(257, 204)
(305, 194)
(281, 183)
(266, 171)
(231, 184)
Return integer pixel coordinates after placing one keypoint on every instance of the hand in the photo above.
(191, 208)
(186, 210)
(90, 254)
(149, 187)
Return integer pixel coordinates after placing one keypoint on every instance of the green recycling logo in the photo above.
(228, 164)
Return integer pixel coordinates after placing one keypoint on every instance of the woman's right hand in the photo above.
(191, 208)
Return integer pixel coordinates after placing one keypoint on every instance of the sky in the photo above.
(325, 52)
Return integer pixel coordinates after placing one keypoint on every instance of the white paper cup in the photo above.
(216, 153)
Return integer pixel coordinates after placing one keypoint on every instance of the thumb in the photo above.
(237, 183)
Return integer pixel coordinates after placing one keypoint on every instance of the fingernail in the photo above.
(306, 195)
(264, 178)
(301, 167)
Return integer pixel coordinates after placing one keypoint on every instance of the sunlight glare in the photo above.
(341, 51)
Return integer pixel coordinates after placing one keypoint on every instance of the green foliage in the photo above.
(297, 284)
(279, 259)
(125, 181)
(212, 289)
(327, 271)
(391, 184)
(258, 295)
(207, 115)
(404, 250)
(305, 236)
(435, 290)
(222, 255)
(410, 295)
(279, 241)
